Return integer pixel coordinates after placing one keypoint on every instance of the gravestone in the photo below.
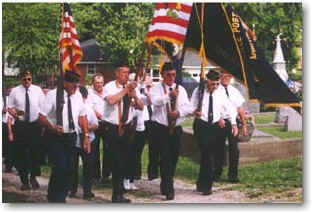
(281, 114)
(293, 121)
(251, 106)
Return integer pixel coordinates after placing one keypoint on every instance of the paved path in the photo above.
(148, 192)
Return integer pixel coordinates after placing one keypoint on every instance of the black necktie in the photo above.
(150, 111)
(70, 115)
(27, 106)
(5, 102)
(125, 110)
(227, 92)
(171, 99)
(210, 110)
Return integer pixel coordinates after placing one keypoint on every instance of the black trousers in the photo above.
(7, 147)
(169, 154)
(211, 147)
(26, 149)
(119, 148)
(87, 169)
(233, 150)
(101, 135)
(153, 150)
(135, 156)
(61, 149)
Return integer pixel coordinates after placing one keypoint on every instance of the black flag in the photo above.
(229, 43)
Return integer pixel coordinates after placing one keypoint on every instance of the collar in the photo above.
(172, 86)
(118, 85)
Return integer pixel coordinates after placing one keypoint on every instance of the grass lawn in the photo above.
(264, 118)
(279, 132)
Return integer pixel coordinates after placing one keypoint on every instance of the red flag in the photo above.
(69, 45)
(169, 23)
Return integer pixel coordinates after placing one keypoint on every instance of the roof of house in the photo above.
(92, 52)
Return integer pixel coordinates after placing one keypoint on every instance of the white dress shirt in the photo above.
(97, 101)
(92, 120)
(111, 111)
(36, 100)
(222, 107)
(159, 100)
(78, 109)
(234, 95)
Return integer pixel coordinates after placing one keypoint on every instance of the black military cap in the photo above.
(71, 76)
(167, 66)
(213, 75)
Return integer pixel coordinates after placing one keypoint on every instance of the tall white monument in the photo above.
(279, 63)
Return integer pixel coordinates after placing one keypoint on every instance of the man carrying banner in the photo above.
(162, 95)
(121, 101)
(215, 106)
(62, 138)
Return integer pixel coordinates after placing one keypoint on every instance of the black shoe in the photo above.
(34, 183)
(72, 195)
(199, 189)
(120, 199)
(209, 192)
(88, 196)
(25, 187)
(234, 180)
(170, 196)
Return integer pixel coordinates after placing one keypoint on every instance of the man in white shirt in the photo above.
(62, 134)
(25, 102)
(165, 114)
(87, 156)
(96, 98)
(140, 136)
(237, 100)
(208, 128)
(121, 101)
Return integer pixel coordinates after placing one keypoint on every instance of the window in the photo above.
(91, 68)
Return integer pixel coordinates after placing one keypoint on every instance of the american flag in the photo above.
(69, 45)
(169, 23)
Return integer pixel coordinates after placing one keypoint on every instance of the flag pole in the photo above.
(60, 84)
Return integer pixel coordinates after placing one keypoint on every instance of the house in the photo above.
(191, 67)
(94, 61)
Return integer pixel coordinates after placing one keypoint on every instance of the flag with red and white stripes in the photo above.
(169, 23)
(69, 45)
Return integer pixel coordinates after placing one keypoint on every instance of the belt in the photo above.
(206, 123)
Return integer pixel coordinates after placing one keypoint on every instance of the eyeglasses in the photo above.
(26, 79)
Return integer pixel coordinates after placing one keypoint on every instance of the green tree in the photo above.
(270, 19)
(30, 35)
(120, 28)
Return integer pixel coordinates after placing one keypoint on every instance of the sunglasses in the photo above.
(214, 84)
(26, 79)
